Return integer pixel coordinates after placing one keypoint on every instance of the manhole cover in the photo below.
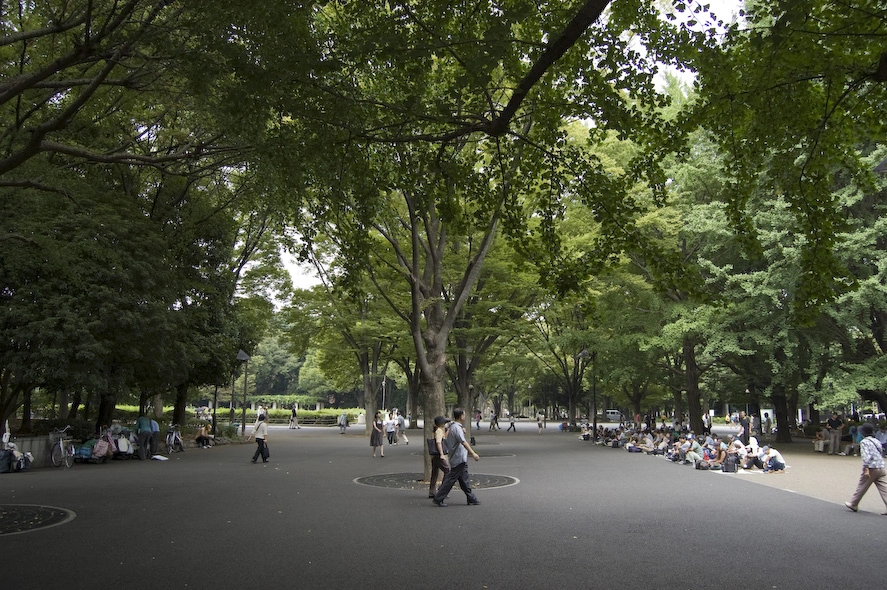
(22, 518)
(413, 481)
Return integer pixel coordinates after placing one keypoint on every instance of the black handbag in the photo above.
(432, 447)
(265, 452)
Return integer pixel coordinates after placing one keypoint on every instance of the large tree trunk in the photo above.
(178, 413)
(26, 411)
(157, 406)
(373, 378)
(371, 385)
(780, 408)
(107, 404)
(433, 402)
(9, 398)
(413, 388)
(75, 405)
(694, 399)
(63, 409)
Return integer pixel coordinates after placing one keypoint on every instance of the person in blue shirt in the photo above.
(143, 431)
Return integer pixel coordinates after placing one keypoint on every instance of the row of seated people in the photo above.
(685, 448)
(822, 441)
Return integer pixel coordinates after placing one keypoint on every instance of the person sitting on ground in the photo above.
(203, 437)
(712, 443)
(717, 460)
(645, 442)
(678, 449)
(631, 445)
(694, 451)
(773, 461)
(755, 458)
(881, 437)
(737, 448)
(853, 447)
(753, 445)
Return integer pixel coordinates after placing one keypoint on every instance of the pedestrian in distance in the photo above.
(155, 437)
(833, 428)
(391, 429)
(260, 432)
(459, 449)
(376, 439)
(402, 429)
(294, 417)
(744, 428)
(439, 460)
(143, 431)
(343, 422)
(511, 423)
(872, 469)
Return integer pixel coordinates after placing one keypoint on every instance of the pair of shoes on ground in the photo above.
(443, 504)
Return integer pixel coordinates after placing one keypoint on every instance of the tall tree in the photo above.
(790, 91)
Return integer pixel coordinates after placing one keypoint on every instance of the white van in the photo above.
(614, 416)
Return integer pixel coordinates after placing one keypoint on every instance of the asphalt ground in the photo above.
(579, 516)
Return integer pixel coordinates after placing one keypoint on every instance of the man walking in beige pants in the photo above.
(872, 469)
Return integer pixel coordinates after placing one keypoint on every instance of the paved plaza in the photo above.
(556, 512)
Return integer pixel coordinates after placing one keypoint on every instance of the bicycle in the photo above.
(174, 442)
(62, 448)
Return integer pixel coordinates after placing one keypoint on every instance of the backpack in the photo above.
(101, 447)
(731, 465)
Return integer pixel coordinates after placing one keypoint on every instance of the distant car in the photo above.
(614, 416)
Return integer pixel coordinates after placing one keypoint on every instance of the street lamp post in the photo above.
(594, 394)
(215, 404)
(242, 356)
(231, 413)
(582, 357)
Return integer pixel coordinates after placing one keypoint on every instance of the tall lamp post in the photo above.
(594, 394)
(242, 356)
(582, 357)
(231, 415)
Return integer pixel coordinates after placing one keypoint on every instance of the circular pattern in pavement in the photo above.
(484, 455)
(414, 481)
(23, 518)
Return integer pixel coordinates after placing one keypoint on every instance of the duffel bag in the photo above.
(5, 461)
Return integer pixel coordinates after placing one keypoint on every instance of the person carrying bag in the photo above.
(260, 431)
